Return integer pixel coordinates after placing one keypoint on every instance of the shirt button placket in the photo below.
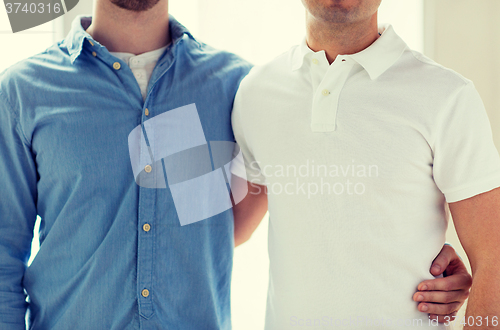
(146, 239)
(325, 105)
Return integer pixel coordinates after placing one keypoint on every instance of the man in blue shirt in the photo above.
(113, 254)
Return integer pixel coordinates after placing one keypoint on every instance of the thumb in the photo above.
(442, 261)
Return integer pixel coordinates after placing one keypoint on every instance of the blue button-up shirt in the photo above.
(113, 254)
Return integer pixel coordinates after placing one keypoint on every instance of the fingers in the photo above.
(459, 281)
(440, 304)
(439, 309)
(443, 259)
(441, 297)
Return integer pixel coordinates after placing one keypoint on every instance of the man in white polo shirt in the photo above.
(361, 143)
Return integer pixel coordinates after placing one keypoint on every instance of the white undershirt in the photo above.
(142, 66)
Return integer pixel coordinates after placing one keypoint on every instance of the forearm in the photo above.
(246, 222)
(483, 308)
(12, 310)
(247, 218)
(249, 212)
(14, 250)
(12, 297)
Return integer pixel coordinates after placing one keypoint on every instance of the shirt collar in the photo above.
(376, 59)
(74, 41)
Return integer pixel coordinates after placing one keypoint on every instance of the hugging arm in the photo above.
(442, 297)
(249, 212)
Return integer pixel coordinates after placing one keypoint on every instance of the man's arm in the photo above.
(442, 297)
(477, 221)
(18, 181)
(249, 212)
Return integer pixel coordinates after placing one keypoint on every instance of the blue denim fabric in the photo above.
(65, 116)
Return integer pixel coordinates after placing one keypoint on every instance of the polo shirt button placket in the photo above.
(325, 104)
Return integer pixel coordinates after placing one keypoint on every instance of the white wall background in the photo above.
(22, 44)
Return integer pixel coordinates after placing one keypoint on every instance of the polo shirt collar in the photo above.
(74, 41)
(376, 59)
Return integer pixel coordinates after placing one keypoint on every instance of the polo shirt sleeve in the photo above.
(466, 161)
(249, 165)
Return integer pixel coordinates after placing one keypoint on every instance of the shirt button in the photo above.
(315, 61)
(138, 75)
(148, 169)
(325, 92)
(146, 112)
(146, 227)
(94, 54)
(145, 293)
(116, 66)
(91, 43)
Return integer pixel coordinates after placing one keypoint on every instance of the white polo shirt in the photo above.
(359, 157)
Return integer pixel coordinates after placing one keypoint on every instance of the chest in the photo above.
(367, 129)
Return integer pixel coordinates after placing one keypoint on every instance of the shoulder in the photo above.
(20, 79)
(434, 74)
(430, 86)
(263, 77)
(206, 56)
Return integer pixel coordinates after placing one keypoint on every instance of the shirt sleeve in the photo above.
(17, 217)
(249, 163)
(466, 161)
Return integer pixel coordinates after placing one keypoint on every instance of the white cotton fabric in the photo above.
(359, 157)
(142, 66)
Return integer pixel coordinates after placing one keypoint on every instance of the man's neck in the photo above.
(339, 38)
(126, 31)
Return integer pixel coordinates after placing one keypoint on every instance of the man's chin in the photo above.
(135, 5)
